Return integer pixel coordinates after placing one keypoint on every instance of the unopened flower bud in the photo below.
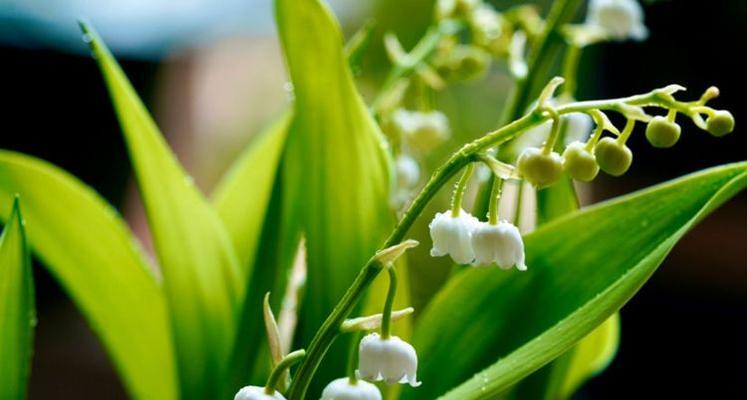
(499, 244)
(451, 235)
(580, 163)
(392, 360)
(464, 62)
(538, 168)
(620, 19)
(257, 393)
(720, 123)
(662, 133)
(345, 389)
(613, 157)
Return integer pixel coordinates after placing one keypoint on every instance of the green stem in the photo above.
(386, 317)
(404, 68)
(353, 357)
(570, 69)
(627, 131)
(284, 364)
(540, 58)
(519, 203)
(331, 326)
(459, 189)
(495, 199)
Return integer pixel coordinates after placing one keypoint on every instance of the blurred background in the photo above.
(212, 74)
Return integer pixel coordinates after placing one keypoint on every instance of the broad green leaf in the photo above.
(336, 165)
(89, 249)
(593, 353)
(241, 197)
(203, 282)
(582, 269)
(17, 317)
(265, 234)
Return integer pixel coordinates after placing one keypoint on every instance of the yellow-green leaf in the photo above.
(17, 317)
(88, 248)
(203, 282)
(336, 165)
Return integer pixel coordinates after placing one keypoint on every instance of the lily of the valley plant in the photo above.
(320, 191)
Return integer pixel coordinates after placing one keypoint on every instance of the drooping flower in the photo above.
(257, 393)
(421, 130)
(620, 19)
(452, 235)
(408, 175)
(499, 243)
(392, 360)
(346, 389)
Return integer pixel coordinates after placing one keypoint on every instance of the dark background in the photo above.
(683, 335)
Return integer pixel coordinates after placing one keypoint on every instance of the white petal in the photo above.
(370, 358)
(343, 389)
(257, 393)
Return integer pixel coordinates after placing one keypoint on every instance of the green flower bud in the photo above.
(464, 62)
(580, 164)
(720, 124)
(662, 133)
(538, 168)
(614, 158)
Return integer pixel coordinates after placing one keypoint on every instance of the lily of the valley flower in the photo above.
(499, 243)
(257, 393)
(620, 19)
(408, 175)
(389, 359)
(452, 235)
(347, 389)
(421, 130)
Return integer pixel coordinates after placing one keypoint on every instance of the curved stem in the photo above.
(284, 364)
(331, 326)
(456, 199)
(495, 198)
(386, 317)
(353, 357)
(627, 131)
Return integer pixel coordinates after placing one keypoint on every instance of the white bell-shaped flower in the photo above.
(345, 389)
(453, 236)
(421, 130)
(407, 176)
(257, 393)
(500, 244)
(620, 19)
(392, 360)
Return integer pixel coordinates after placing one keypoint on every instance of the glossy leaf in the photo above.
(582, 269)
(17, 317)
(336, 165)
(89, 249)
(203, 282)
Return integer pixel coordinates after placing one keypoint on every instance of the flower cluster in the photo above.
(470, 241)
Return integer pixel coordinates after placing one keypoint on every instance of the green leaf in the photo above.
(242, 196)
(559, 379)
(17, 315)
(203, 282)
(336, 165)
(89, 249)
(265, 234)
(582, 269)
